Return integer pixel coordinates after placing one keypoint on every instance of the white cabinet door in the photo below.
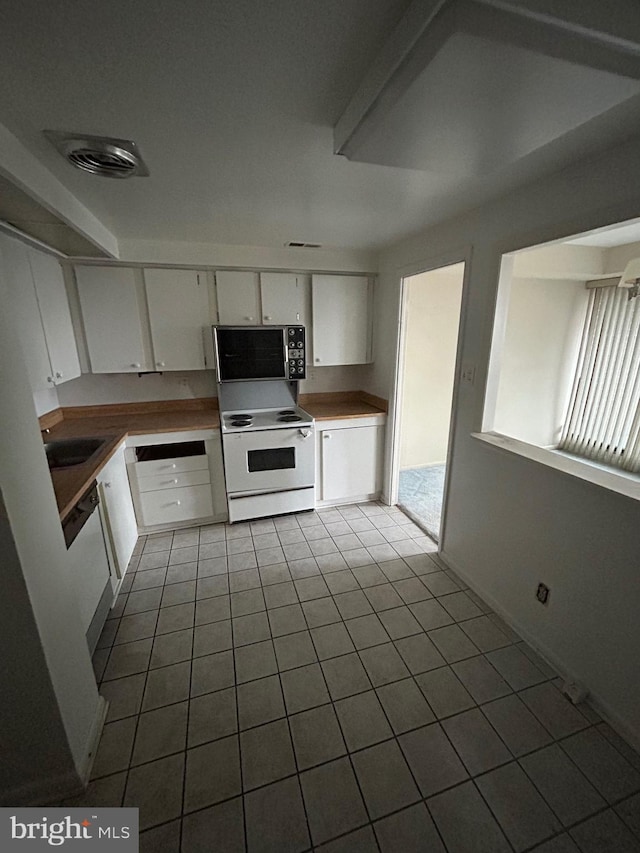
(111, 303)
(25, 312)
(56, 316)
(238, 298)
(341, 319)
(350, 462)
(87, 559)
(281, 298)
(120, 528)
(178, 314)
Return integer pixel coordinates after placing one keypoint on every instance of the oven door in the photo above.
(269, 460)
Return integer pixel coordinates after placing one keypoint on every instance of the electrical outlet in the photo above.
(542, 593)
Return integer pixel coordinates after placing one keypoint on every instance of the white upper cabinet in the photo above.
(56, 316)
(41, 313)
(25, 312)
(238, 298)
(281, 298)
(112, 303)
(178, 313)
(341, 319)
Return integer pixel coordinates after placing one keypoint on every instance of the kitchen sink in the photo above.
(66, 452)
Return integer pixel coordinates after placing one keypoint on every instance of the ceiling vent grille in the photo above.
(100, 155)
(295, 244)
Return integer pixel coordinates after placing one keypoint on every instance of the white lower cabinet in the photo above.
(176, 479)
(118, 515)
(349, 460)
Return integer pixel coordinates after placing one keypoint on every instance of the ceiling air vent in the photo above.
(294, 244)
(100, 155)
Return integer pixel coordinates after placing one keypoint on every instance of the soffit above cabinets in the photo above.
(485, 86)
(29, 217)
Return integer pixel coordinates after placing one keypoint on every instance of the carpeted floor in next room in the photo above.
(421, 492)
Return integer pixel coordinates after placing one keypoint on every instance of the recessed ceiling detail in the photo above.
(100, 155)
(481, 89)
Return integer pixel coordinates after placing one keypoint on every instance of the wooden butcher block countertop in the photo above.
(114, 423)
(342, 404)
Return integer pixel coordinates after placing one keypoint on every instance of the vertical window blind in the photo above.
(603, 421)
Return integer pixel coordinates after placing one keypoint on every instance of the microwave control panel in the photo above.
(296, 357)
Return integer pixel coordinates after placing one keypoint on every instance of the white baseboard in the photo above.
(94, 739)
(356, 499)
(598, 703)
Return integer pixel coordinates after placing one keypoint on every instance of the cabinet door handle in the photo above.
(107, 485)
(49, 378)
(316, 359)
(249, 318)
(135, 364)
(59, 375)
(267, 316)
(177, 503)
(159, 363)
(326, 435)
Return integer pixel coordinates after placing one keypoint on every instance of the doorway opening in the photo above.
(429, 341)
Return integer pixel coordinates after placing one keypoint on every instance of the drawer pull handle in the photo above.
(177, 503)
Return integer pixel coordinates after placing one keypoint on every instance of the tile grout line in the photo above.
(412, 676)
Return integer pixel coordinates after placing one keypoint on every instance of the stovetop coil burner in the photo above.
(287, 412)
(287, 419)
(240, 423)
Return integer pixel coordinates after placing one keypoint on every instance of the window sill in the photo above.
(622, 482)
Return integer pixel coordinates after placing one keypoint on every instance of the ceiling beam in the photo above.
(390, 58)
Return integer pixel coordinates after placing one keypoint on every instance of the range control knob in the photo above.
(299, 344)
(292, 363)
(292, 332)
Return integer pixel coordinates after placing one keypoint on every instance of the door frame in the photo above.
(454, 256)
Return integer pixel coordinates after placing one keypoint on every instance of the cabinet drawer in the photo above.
(173, 480)
(178, 465)
(172, 505)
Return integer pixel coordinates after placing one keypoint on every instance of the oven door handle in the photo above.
(305, 433)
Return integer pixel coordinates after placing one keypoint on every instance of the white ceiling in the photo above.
(233, 106)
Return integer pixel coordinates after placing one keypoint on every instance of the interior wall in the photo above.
(34, 744)
(511, 522)
(544, 326)
(103, 388)
(43, 598)
(432, 315)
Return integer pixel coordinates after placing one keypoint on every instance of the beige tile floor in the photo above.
(323, 682)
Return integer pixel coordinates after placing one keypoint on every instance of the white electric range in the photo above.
(268, 452)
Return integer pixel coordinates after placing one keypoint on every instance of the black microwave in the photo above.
(259, 352)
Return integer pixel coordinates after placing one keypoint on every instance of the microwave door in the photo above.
(249, 353)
